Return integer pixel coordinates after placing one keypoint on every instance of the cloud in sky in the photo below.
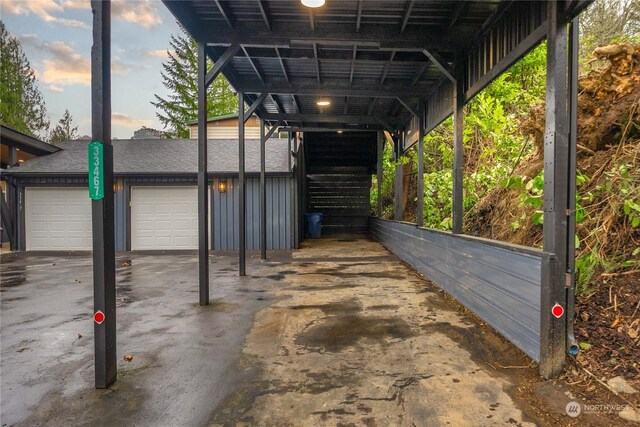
(158, 53)
(141, 12)
(128, 121)
(45, 9)
(64, 66)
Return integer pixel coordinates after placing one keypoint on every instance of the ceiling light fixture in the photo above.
(340, 131)
(312, 3)
(323, 103)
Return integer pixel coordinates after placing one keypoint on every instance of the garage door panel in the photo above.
(183, 209)
(164, 218)
(58, 218)
(74, 226)
(57, 210)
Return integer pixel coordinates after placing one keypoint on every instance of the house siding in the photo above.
(224, 209)
(226, 221)
(225, 132)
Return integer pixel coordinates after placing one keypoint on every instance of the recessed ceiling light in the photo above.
(323, 102)
(312, 3)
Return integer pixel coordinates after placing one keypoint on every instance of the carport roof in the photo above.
(377, 61)
(160, 157)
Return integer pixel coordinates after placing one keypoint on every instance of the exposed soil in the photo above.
(608, 318)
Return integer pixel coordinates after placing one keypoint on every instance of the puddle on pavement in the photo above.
(12, 279)
(220, 305)
(343, 307)
(337, 272)
(483, 345)
(123, 277)
(339, 332)
(344, 327)
(326, 287)
(383, 307)
(123, 294)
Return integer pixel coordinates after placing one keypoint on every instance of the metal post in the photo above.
(12, 201)
(295, 144)
(398, 214)
(289, 151)
(292, 198)
(263, 195)
(102, 211)
(574, 35)
(557, 169)
(242, 212)
(421, 135)
(380, 171)
(203, 184)
(458, 152)
(13, 156)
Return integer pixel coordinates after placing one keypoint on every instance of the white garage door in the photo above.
(58, 218)
(164, 218)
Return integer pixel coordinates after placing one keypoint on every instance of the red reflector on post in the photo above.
(98, 317)
(557, 311)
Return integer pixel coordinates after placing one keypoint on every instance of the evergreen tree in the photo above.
(22, 106)
(148, 133)
(64, 130)
(180, 77)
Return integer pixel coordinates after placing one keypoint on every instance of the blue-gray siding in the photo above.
(498, 282)
(120, 207)
(226, 220)
(224, 209)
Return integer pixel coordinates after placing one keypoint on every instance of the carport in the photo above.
(394, 67)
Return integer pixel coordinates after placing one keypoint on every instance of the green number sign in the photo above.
(96, 171)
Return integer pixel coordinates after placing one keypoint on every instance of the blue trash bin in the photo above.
(314, 224)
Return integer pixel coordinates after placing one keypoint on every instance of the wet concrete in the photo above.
(184, 355)
(361, 340)
(338, 333)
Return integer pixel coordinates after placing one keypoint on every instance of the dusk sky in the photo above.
(56, 37)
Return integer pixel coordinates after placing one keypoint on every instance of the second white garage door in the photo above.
(164, 218)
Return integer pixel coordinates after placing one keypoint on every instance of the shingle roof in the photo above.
(161, 156)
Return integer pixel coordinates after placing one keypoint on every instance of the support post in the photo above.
(102, 211)
(458, 152)
(263, 195)
(13, 156)
(398, 178)
(421, 135)
(380, 171)
(574, 46)
(289, 151)
(242, 211)
(558, 167)
(203, 184)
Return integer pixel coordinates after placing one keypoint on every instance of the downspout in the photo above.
(572, 345)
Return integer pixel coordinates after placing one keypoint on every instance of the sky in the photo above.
(56, 36)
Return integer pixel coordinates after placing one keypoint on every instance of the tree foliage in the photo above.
(22, 106)
(493, 144)
(64, 130)
(180, 78)
(609, 21)
(148, 133)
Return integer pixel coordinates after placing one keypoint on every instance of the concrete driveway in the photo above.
(338, 333)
